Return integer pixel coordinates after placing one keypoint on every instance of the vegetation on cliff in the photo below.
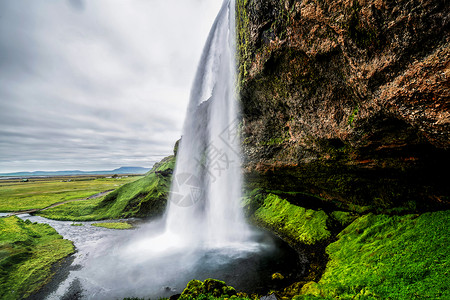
(388, 257)
(345, 121)
(28, 251)
(292, 222)
(360, 257)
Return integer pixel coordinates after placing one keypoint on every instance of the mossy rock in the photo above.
(277, 276)
(194, 288)
(210, 287)
(294, 223)
(388, 257)
(311, 288)
(343, 218)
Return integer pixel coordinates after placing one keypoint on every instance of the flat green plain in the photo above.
(38, 193)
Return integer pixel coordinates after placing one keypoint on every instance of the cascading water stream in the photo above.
(206, 189)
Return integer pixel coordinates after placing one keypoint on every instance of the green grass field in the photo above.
(75, 211)
(39, 193)
(114, 225)
(27, 253)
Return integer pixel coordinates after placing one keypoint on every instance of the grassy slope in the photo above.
(374, 257)
(39, 193)
(27, 253)
(389, 257)
(145, 197)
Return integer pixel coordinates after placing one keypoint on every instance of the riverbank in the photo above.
(35, 210)
(28, 251)
(112, 263)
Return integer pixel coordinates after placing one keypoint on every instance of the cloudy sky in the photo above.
(96, 84)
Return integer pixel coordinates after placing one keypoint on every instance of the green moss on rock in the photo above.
(343, 218)
(242, 34)
(277, 276)
(292, 222)
(196, 289)
(388, 257)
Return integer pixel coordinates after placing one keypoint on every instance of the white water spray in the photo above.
(206, 189)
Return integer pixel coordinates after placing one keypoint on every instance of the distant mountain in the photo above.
(130, 170)
(121, 170)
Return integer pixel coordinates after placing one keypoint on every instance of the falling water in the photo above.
(206, 189)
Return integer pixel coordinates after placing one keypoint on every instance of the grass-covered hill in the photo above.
(145, 197)
(28, 251)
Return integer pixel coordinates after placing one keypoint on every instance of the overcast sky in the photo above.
(96, 84)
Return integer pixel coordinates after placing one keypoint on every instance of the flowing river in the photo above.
(107, 264)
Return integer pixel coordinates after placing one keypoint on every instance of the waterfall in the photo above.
(204, 200)
(203, 233)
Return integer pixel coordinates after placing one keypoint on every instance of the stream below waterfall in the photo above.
(108, 264)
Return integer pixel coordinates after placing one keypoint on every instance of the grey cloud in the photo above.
(77, 4)
(96, 85)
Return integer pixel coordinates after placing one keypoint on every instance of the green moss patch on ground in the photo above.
(39, 193)
(27, 253)
(209, 287)
(145, 197)
(295, 223)
(114, 225)
(388, 257)
(343, 218)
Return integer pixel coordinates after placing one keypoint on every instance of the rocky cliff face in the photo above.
(348, 101)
